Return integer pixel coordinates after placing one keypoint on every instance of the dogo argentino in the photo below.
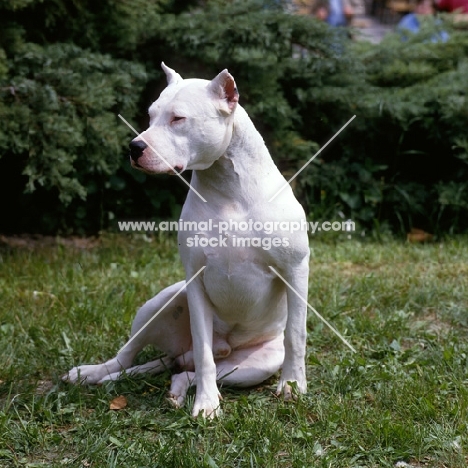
(237, 322)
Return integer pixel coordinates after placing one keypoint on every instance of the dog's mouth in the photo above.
(173, 171)
(135, 165)
(176, 170)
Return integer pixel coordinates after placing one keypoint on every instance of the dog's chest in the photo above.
(240, 284)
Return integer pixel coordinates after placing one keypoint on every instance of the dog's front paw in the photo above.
(207, 406)
(291, 389)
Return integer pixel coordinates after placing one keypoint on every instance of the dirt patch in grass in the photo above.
(35, 241)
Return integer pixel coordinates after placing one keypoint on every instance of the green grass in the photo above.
(402, 397)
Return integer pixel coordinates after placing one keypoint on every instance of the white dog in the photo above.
(235, 322)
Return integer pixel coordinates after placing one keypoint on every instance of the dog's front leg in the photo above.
(201, 325)
(295, 334)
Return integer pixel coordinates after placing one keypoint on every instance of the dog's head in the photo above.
(190, 125)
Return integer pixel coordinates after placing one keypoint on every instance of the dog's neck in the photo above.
(245, 172)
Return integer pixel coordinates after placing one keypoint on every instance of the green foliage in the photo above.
(105, 26)
(417, 104)
(15, 5)
(60, 106)
(401, 163)
(60, 86)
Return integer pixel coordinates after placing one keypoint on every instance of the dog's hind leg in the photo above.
(153, 367)
(242, 368)
(162, 322)
(251, 366)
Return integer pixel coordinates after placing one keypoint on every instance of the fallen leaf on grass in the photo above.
(118, 403)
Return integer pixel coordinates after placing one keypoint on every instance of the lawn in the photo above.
(400, 401)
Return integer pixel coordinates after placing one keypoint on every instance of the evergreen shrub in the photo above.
(401, 163)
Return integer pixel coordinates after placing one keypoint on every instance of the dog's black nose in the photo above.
(136, 148)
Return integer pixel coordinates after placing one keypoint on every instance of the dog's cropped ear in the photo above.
(224, 87)
(172, 76)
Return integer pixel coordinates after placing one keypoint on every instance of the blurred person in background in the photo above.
(340, 13)
(412, 21)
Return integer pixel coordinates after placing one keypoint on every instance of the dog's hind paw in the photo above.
(179, 388)
(89, 375)
(176, 401)
(111, 377)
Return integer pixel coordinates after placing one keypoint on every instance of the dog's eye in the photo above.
(177, 118)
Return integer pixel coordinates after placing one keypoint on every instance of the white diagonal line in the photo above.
(312, 158)
(337, 333)
(159, 156)
(161, 309)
